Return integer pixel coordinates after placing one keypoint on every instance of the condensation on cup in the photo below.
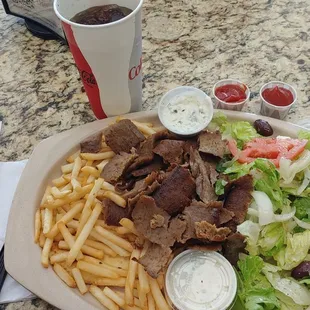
(108, 57)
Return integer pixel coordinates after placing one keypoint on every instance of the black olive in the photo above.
(302, 270)
(263, 128)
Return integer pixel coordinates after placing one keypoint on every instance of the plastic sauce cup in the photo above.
(185, 110)
(279, 112)
(197, 280)
(238, 106)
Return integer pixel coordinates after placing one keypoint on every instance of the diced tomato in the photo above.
(296, 150)
(269, 148)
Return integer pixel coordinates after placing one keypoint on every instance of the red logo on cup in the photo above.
(135, 71)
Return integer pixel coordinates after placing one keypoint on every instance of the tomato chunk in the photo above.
(270, 148)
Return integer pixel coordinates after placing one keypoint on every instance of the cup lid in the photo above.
(197, 280)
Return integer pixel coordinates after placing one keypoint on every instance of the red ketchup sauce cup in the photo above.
(230, 94)
(277, 98)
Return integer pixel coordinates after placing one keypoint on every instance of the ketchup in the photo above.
(231, 93)
(278, 96)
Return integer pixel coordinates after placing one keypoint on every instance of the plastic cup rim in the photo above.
(275, 107)
(120, 21)
(231, 103)
(161, 105)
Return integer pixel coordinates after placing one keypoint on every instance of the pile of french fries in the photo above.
(84, 252)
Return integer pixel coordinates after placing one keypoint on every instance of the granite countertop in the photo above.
(195, 42)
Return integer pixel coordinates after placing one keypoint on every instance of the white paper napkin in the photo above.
(10, 173)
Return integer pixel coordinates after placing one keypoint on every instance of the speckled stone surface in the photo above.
(193, 42)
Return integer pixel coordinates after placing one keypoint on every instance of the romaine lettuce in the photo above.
(305, 134)
(241, 131)
(251, 230)
(272, 239)
(302, 206)
(295, 251)
(255, 291)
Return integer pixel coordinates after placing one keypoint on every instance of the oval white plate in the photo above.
(22, 255)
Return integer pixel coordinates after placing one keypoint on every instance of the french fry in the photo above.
(150, 302)
(143, 279)
(92, 260)
(117, 199)
(120, 282)
(127, 223)
(102, 164)
(108, 187)
(97, 270)
(118, 262)
(76, 168)
(89, 202)
(63, 245)
(142, 298)
(126, 307)
(70, 198)
(64, 275)
(160, 300)
(144, 128)
(114, 238)
(48, 220)
(46, 251)
(91, 171)
(122, 230)
(90, 179)
(42, 240)
(67, 168)
(71, 158)
(130, 280)
(102, 298)
(84, 234)
(59, 194)
(76, 185)
(97, 156)
(100, 246)
(118, 250)
(89, 278)
(68, 238)
(59, 182)
(60, 210)
(73, 224)
(65, 219)
(46, 193)
(161, 281)
(66, 187)
(58, 257)
(79, 280)
(37, 226)
(113, 296)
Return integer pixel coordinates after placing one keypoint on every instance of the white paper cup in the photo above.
(109, 56)
(274, 111)
(220, 104)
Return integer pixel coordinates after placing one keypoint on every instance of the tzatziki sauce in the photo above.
(186, 112)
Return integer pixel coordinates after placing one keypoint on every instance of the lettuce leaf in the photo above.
(272, 239)
(305, 134)
(241, 131)
(220, 187)
(255, 291)
(302, 206)
(295, 251)
(251, 230)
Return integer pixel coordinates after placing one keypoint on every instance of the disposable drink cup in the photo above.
(108, 56)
